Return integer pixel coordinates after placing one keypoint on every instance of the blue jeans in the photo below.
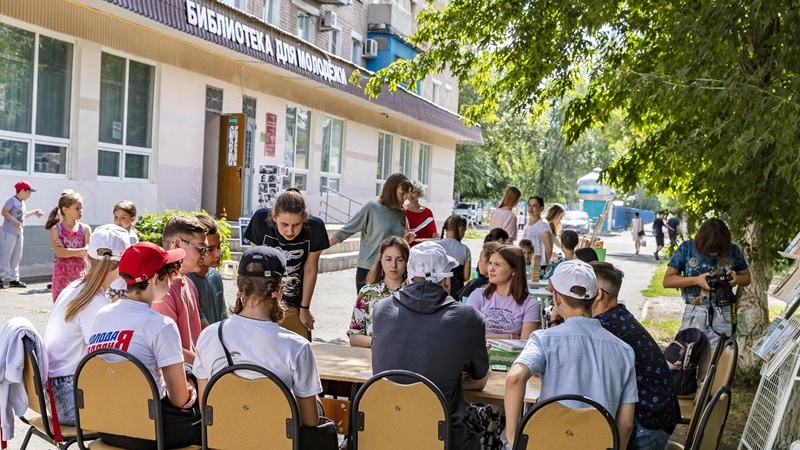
(64, 399)
(647, 439)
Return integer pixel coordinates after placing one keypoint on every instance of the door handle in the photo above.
(239, 171)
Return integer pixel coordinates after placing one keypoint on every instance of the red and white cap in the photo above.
(142, 260)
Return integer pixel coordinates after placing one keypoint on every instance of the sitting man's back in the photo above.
(424, 330)
(577, 357)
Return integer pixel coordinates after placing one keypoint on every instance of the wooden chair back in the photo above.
(709, 431)
(387, 415)
(241, 413)
(551, 425)
(117, 397)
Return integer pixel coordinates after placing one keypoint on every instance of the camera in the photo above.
(721, 293)
(718, 280)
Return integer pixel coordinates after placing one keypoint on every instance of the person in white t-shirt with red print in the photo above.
(132, 326)
(253, 335)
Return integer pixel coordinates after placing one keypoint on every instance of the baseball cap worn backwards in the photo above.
(575, 274)
(430, 261)
(262, 262)
(142, 260)
(108, 240)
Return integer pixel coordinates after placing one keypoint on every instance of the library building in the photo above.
(194, 104)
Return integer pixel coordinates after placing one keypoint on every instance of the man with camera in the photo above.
(706, 270)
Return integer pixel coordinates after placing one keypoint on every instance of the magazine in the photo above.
(509, 345)
(793, 246)
(777, 342)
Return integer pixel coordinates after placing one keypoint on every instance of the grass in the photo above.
(475, 234)
(655, 289)
(662, 330)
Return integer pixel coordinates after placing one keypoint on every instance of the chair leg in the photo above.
(27, 438)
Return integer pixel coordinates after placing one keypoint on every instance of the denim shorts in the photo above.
(64, 399)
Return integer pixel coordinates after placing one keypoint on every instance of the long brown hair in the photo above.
(376, 274)
(713, 237)
(552, 212)
(457, 224)
(511, 197)
(388, 196)
(261, 290)
(519, 285)
(65, 201)
(91, 284)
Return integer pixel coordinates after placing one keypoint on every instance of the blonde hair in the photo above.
(91, 284)
(261, 290)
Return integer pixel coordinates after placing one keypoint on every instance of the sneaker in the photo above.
(17, 284)
(656, 255)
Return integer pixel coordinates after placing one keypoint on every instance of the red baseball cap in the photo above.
(142, 260)
(24, 186)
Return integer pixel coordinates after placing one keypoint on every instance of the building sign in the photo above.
(269, 141)
(286, 54)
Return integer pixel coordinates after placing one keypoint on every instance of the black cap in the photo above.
(263, 262)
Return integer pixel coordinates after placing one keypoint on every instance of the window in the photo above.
(35, 87)
(435, 92)
(334, 43)
(272, 11)
(356, 47)
(406, 147)
(331, 170)
(126, 117)
(238, 4)
(384, 160)
(448, 94)
(305, 26)
(424, 168)
(214, 97)
(298, 138)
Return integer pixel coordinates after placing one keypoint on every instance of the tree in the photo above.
(708, 91)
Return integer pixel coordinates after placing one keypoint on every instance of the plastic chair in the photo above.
(709, 431)
(551, 425)
(387, 415)
(243, 414)
(106, 391)
(41, 424)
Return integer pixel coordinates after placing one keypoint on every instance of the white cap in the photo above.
(572, 274)
(109, 237)
(429, 260)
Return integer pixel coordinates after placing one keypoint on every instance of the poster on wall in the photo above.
(269, 139)
(271, 179)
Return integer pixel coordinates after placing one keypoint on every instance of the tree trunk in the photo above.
(753, 312)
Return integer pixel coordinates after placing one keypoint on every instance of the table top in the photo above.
(354, 365)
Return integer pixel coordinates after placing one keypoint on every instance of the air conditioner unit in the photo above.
(370, 48)
(328, 21)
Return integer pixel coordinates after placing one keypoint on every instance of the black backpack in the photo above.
(683, 357)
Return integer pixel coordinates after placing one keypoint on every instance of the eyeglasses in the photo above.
(202, 249)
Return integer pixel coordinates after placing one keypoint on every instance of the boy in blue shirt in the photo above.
(11, 234)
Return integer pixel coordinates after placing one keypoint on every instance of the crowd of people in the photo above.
(419, 306)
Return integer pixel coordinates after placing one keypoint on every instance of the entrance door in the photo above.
(231, 158)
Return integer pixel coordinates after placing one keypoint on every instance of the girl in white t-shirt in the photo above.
(252, 334)
(508, 310)
(70, 324)
(131, 325)
(539, 232)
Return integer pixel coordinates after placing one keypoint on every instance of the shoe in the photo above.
(49, 285)
(2, 286)
(17, 284)
(656, 255)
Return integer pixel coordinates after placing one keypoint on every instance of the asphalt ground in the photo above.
(335, 294)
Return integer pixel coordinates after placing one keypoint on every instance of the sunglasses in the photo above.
(202, 249)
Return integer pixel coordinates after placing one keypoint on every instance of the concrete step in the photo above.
(337, 261)
(348, 246)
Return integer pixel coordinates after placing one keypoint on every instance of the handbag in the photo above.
(321, 437)
(640, 233)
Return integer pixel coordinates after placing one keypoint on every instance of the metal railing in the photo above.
(339, 215)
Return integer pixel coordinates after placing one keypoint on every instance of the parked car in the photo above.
(472, 211)
(576, 220)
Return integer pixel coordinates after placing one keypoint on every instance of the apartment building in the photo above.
(216, 104)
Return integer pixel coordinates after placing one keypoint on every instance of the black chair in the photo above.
(709, 430)
(245, 413)
(387, 415)
(551, 425)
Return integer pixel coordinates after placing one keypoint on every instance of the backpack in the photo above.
(683, 357)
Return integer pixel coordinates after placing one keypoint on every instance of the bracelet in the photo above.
(305, 307)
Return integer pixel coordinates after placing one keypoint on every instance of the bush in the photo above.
(151, 228)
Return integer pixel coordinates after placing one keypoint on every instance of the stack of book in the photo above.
(504, 351)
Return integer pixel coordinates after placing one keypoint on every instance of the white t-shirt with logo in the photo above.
(133, 327)
(261, 343)
(66, 341)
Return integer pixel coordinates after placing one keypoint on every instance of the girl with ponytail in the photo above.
(70, 324)
(68, 237)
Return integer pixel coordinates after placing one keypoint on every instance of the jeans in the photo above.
(64, 399)
(696, 316)
(647, 439)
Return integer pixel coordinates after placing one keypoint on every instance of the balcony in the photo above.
(334, 2)
(389, 17)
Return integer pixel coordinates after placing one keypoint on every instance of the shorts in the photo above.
(291, 322)
(64, 398)
(660, 240)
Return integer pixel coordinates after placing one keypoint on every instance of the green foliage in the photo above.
(151, 228)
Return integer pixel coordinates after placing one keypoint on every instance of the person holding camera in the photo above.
(706, 270)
